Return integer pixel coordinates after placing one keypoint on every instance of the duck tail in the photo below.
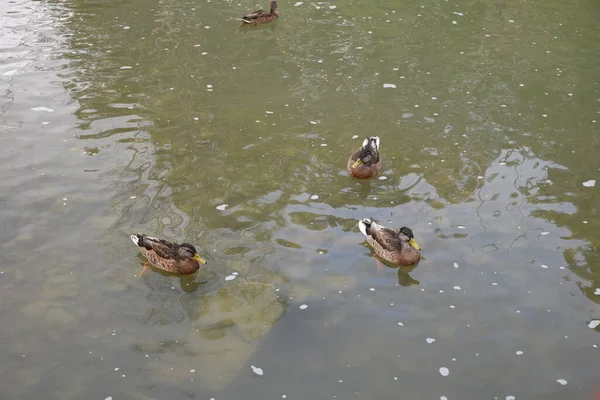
(364, 225)
(376, 139)
(136, 239)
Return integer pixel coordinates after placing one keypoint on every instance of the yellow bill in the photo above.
(199, 259)
(414, 244)
(356, 163)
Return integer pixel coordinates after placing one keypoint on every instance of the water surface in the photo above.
(125, 116)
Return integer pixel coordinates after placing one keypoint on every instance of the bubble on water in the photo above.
(562, 381)
(303, 307)
(430, 340)
(544, 233)
(116, 368)
(313, 122)
(230, 277)
(192, 370)
(454, 22)
(298, 3)
(222, 207)
(332, 7)
(519, 352)
(510, 397)
(443, 398)
(372, 289)
(461, 227)
(382, 178)
(204, 53)
(389, 86)
(456, 288)
(314, 197)
(455, 265)
(126, 27)
(126, 67)
(234, 273)
(400, 324)
(444, 371)
(355, 137)
(544, 266)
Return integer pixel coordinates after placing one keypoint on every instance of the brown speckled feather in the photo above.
(369, 154)
(166, 255)
(261, 16)
(391, 244)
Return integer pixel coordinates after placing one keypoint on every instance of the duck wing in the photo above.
(162, 248)
(254, 15)
(386, 237)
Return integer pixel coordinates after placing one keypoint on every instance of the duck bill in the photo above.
(199, 259)
(357, 163)
(414, 244)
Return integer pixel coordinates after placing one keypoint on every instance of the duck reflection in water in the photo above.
(404, 278)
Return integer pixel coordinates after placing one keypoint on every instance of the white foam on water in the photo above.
(46, 109)
(256, 370)
(389, 85)
(590, 183)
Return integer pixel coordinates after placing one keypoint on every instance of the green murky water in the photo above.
(125, 116)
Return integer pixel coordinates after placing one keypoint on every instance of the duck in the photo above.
(365, 162)
(398, 247)
(261, 16)
(181, 259)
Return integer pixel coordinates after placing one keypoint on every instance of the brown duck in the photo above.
(395, 246)
(261, 16)
(365, 162)
(176, 258)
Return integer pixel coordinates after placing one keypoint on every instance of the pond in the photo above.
(171, 119)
